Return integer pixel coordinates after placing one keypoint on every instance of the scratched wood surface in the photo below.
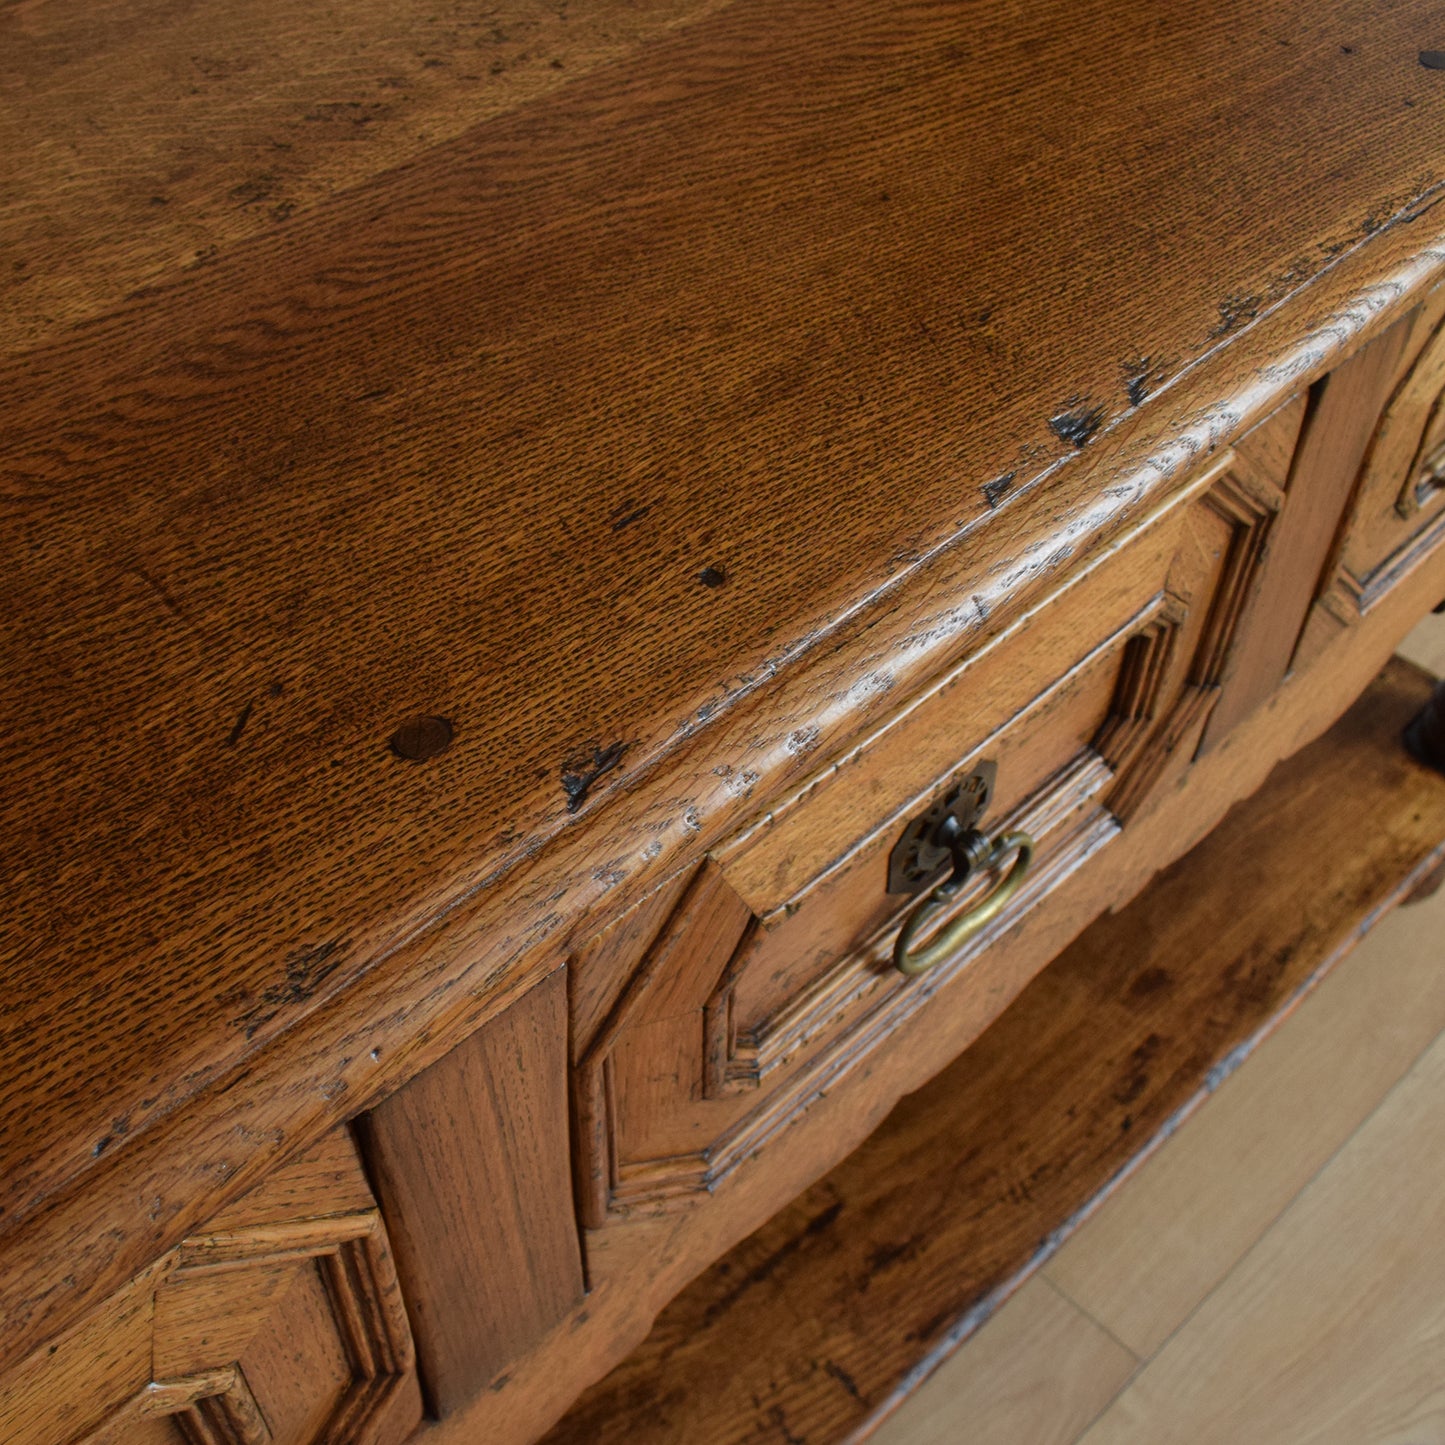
(835, 1306)
(158, 136)
(732, 323)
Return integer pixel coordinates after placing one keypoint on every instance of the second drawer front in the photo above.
(1397, 513)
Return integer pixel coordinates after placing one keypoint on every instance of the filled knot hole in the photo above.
(420, 738)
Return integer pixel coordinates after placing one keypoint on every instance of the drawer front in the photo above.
(282, 1324)
(1396, 515)
(764, 979)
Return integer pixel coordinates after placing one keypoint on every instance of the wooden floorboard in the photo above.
(1040, 1374)
(1330, 1331)
(856, 1290)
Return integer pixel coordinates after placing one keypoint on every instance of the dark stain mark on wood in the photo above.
(712, 576)
(240, 727)
(348, 112)
(307, 968)
(1234, 312)
(169, 602)
(819, 1224)
(1078, 422)
(779, 1418)
(1149, 982)
(886, 1254)
(627, 514)
(581, 771)
(931, 1328)
(994, 491)
(1433, 59)
(420, 738)
(1136, 1081)
(258, 188)
(1140, 377)
(845, 1379)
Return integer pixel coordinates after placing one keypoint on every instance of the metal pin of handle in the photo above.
(972, 852)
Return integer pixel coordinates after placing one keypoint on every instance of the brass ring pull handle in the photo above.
(971, 852)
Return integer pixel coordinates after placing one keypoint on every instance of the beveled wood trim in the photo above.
(1050, 817)
(1067, 819)
(1249, 508)
(211, 1407)
(1148, 666)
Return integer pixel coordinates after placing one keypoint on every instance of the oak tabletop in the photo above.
(415, 429)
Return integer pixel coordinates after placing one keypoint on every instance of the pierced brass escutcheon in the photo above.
(943, 848)
(922, 855)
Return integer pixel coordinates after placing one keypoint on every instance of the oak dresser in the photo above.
(593, 590)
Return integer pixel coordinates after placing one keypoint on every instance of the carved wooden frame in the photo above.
(860, 998)
(176, 1343)
(357, 1272)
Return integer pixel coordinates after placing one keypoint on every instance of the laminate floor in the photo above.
(1275, 1274)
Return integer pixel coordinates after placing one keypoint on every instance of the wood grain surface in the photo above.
(861, 1285)
(767, 326)
(157, 136)
(471, 1168)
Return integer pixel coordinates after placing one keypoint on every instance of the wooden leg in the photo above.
(1425, 736)
(1427, 887)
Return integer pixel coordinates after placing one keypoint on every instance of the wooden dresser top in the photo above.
(569, 373)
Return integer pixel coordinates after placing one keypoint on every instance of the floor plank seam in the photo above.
(1124, 1386)
(1089, 1315)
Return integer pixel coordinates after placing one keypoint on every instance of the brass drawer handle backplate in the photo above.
(945, 838)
